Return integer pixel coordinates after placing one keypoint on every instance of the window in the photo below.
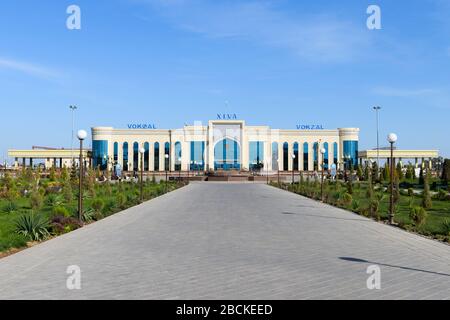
(167, 156)
(136, 156)
(125, 156)
(275, 156)
(316, 156)
(351, 153)
(197, 156)
(256, 159)
(156, 157)
(297, 159)
(116, 152)
(147, 156)
(178, 156)
(335, 153)
(326, 161)
(285, 156)
(227, 155)
(100, 154)
(305, 156)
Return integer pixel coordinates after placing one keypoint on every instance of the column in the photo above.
(311, 156)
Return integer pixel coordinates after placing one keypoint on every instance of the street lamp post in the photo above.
(179, 171)
(267, 171)
(142, 152)
(278, 170)
(392, 138)
(293, 173)
(72, 108)
(322, 151)
(81, 136)
(167, 157)
(377, 109)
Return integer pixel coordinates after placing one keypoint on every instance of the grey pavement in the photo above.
(231, 241)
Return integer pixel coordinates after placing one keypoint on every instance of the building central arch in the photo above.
(227, 155)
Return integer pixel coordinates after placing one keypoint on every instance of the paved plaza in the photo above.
(231, 241)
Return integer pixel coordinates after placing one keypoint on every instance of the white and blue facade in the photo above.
(224, 145)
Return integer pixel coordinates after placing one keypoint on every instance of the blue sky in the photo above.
(278, 63)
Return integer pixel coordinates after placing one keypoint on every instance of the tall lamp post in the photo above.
(293, 173)
(278, 170)
(167, 157)
(179, 169)
(392, 138)
(81, 136)
(142, 152)
(72, 108)
(322, 151)
(377, 109)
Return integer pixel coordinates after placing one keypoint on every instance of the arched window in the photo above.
(326, 159)
(167, 156)
(316, 156)
(275, 156)
(335, 153)
(306, 156)
(156, 157)
(116, 152)
(125, 156)
(285, 156)
(135, 156)
(147, 156)
(297, 159)
(178, 155)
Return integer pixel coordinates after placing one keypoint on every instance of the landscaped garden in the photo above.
(35, 206)
(421, 204)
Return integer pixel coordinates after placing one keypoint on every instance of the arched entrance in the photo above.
(227, 155)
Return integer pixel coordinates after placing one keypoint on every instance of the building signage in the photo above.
(226, 116)
(141, 126)
(310, 127)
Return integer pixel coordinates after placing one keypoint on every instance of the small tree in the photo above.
(52, 175)
(375, 172)
(421, 178)
(350, 186)
(446, 171)
(366, 172)
(426, 196)
(399, 171)
(386, 173)
(418, 215)
(369, 193)
(359, 173)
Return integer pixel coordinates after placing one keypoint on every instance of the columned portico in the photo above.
(226, 145)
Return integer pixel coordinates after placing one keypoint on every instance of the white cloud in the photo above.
(28, 68)
(320, 37)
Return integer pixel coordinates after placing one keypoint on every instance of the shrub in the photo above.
(36, 201)
(61, 224)
(418, 215)
(98, 205)
(121, 200)
(61, 211)
(355, 205)
(374, 209)
(53, 201)
(426, 196)
(442, 195)
(347, 199)
(446, 227)
(410, 192)
(32, 226)
(10, 207)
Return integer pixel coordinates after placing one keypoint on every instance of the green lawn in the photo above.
(101, 200)
(433, 226)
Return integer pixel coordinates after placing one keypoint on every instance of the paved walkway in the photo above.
(231, 241)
